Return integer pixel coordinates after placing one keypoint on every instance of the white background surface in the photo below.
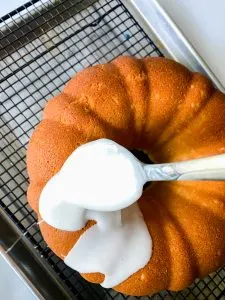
(203, 23)
(7, 6)
(11, 286)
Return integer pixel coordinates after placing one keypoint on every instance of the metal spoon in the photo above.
(208, 168)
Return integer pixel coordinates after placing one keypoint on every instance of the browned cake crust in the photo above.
(159, 106)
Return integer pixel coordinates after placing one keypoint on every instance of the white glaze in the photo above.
(108, 177)
(95, 182)
(56, 210)
(117, 251)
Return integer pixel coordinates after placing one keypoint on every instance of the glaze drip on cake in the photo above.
(100, 181)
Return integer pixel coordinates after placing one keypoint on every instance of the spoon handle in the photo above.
(209, 168)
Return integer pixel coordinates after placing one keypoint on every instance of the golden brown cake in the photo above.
(172, 114)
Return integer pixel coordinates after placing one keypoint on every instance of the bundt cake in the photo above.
(158, 106)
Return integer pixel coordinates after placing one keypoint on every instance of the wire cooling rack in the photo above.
(42, 45)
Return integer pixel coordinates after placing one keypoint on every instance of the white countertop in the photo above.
(203, 23)
(9, 5)
(12, 287)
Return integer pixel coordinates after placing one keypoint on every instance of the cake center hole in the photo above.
(143, 157)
